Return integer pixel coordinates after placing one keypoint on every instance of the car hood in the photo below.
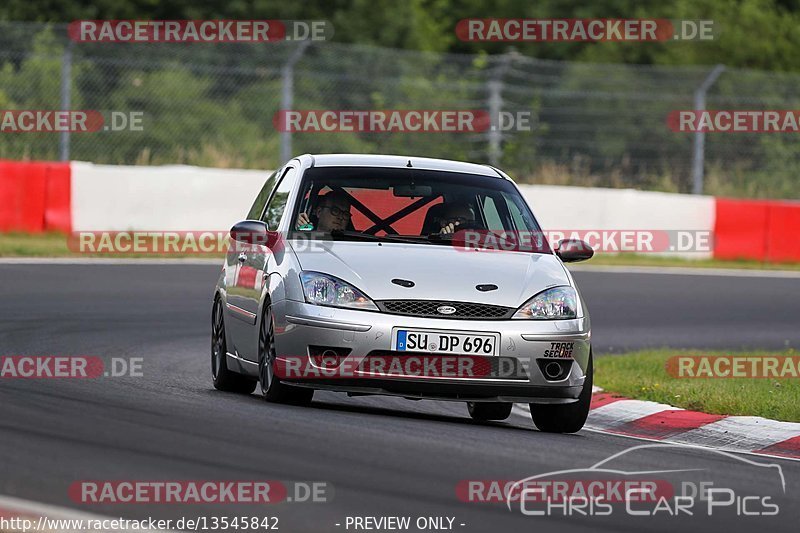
(439, 272)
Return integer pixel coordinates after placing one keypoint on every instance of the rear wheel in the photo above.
(489, 410)
(224, 379)
(272, 389)
(565, 418)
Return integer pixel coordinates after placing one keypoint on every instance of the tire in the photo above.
(569, 417)
(272, 389)
(489, 410)
(224, 379)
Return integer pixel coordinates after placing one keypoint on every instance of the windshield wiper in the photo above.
(410, 239)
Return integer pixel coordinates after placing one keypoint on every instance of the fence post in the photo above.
(698, 159)
(495, 105)
(495, 136)
(287, 97)
(66, 98)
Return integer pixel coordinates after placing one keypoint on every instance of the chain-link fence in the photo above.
(214, 104)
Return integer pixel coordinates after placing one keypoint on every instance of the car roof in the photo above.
(400, 161)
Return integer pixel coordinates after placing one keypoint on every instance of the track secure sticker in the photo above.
(560, 350)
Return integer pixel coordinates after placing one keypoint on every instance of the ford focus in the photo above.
(403, 276)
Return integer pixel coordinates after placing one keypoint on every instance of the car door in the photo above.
(239, 320)
(254, 265)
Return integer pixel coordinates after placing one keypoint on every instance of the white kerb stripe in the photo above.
(615, 414)
(749, 433)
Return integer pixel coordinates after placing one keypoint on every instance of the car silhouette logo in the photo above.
(445, 309)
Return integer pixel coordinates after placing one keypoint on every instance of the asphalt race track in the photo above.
(379, 456)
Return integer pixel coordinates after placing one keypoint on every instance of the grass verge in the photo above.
(55, 245)
(41, 245)
(656, 261)
(643, 376)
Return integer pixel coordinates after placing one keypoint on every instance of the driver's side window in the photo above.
(277, 204)
(261, 200)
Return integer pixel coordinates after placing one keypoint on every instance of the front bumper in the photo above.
(299, 325)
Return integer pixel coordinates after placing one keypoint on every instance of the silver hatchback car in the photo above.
(404, 276)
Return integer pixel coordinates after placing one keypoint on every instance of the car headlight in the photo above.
(323, 289)
(550, 304)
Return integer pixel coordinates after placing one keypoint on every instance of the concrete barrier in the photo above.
(593, 208)
(174, 197)
(41, 196)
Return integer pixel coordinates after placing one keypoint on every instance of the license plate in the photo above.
(437, 341)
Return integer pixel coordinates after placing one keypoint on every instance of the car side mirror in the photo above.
(254, 232)
(573, 250)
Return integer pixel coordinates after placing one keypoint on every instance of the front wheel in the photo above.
(489, 410)
(224, 379)
(272, 389)
(569, 417)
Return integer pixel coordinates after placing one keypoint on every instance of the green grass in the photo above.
(55, 245)
(656, 261)
(40, 245)
(643, 376)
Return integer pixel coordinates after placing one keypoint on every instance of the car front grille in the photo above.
(428, 308)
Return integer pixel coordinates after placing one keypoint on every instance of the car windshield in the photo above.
(410, 205)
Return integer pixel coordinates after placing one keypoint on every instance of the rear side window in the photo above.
(261, 199)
